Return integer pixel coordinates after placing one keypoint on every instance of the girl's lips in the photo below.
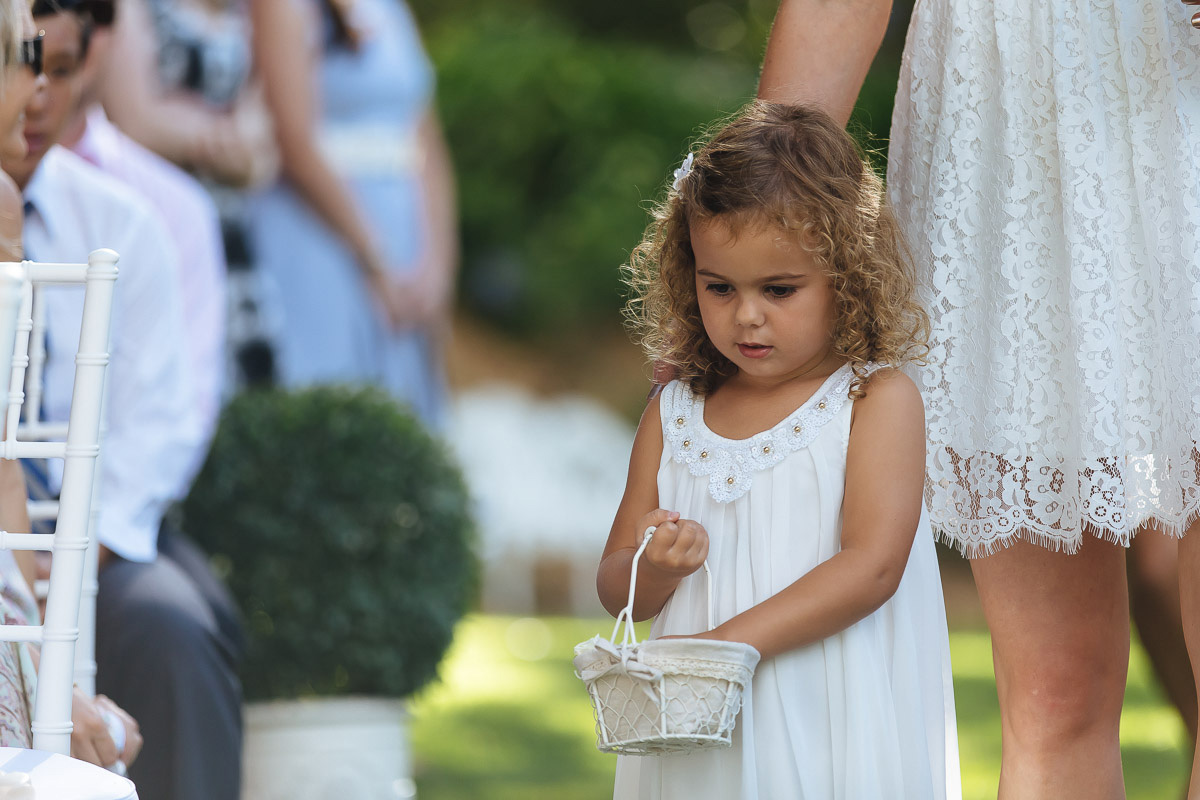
(754, 350)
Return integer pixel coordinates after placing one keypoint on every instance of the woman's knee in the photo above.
(1053, 699)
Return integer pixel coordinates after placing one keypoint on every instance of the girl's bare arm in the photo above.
(679, 546)
(885, 474)
(820, 50)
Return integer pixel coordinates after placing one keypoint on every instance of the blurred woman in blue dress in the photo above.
(360, 233)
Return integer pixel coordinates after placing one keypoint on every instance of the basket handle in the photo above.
(626, 614)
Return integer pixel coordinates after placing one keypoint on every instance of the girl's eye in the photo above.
(719, 289)
(780, 292)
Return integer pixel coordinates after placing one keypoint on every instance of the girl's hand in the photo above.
(679, 546)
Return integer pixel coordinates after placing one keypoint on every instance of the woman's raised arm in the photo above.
(820, 50)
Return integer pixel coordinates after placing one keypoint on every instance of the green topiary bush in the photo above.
(345, 534)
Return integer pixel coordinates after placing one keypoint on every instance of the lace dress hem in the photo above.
(991, 504)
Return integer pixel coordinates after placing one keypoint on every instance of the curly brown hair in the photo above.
(789, 167)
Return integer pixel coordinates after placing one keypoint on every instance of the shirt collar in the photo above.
(99, 144)
(39, 192)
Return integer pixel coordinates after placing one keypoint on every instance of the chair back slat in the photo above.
(21, 633)
(36, 371)
(42, 510)
(12, 294)
(20, 449)
(20, 360)
(26, 541)
(42, 430)
(85, 648)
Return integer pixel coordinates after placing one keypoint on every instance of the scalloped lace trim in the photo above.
(730, 464)
(994, 501)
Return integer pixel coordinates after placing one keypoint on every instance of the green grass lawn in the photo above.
(510, 721)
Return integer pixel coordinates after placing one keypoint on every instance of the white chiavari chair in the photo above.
(53, 774)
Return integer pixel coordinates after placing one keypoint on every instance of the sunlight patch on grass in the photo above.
(510, 721)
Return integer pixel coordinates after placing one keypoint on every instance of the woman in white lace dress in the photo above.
(1045, 167)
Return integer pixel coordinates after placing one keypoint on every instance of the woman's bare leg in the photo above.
(1060, 647)
(1154, 602)
(1189, 590)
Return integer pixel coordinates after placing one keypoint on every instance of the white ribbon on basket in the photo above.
(622, 657)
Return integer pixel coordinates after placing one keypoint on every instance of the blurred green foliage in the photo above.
(343, 531)
(565, 121)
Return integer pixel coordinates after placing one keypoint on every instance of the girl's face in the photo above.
(765, 302)
(17, 85)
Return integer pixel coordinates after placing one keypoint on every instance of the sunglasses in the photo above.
(31, 53)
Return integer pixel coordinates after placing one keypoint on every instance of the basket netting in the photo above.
(648, 701)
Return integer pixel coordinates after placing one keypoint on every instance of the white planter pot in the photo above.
(336, 749)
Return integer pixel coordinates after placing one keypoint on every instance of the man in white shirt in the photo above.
(164, 650)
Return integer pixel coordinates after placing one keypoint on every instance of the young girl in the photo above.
(790, 453)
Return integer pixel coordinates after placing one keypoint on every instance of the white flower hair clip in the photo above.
(684, 170)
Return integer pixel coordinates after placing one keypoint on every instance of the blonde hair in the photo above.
(12, 17)
(789, 167)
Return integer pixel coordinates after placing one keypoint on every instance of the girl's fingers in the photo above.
(665, 536)
(656, 518)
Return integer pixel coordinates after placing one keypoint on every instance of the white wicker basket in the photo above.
(663, 696)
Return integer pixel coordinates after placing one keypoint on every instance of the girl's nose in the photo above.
(749, 313)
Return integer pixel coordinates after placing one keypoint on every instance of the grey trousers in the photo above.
(168, 643)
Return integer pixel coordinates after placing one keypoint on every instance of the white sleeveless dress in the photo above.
(867, 713)
(1045, 168)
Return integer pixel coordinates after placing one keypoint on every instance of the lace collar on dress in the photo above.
(730, 464)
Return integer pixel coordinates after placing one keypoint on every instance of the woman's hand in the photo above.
(678, 547)
(91, 740)
(388, 300)
(427, 296)
(237, 149)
